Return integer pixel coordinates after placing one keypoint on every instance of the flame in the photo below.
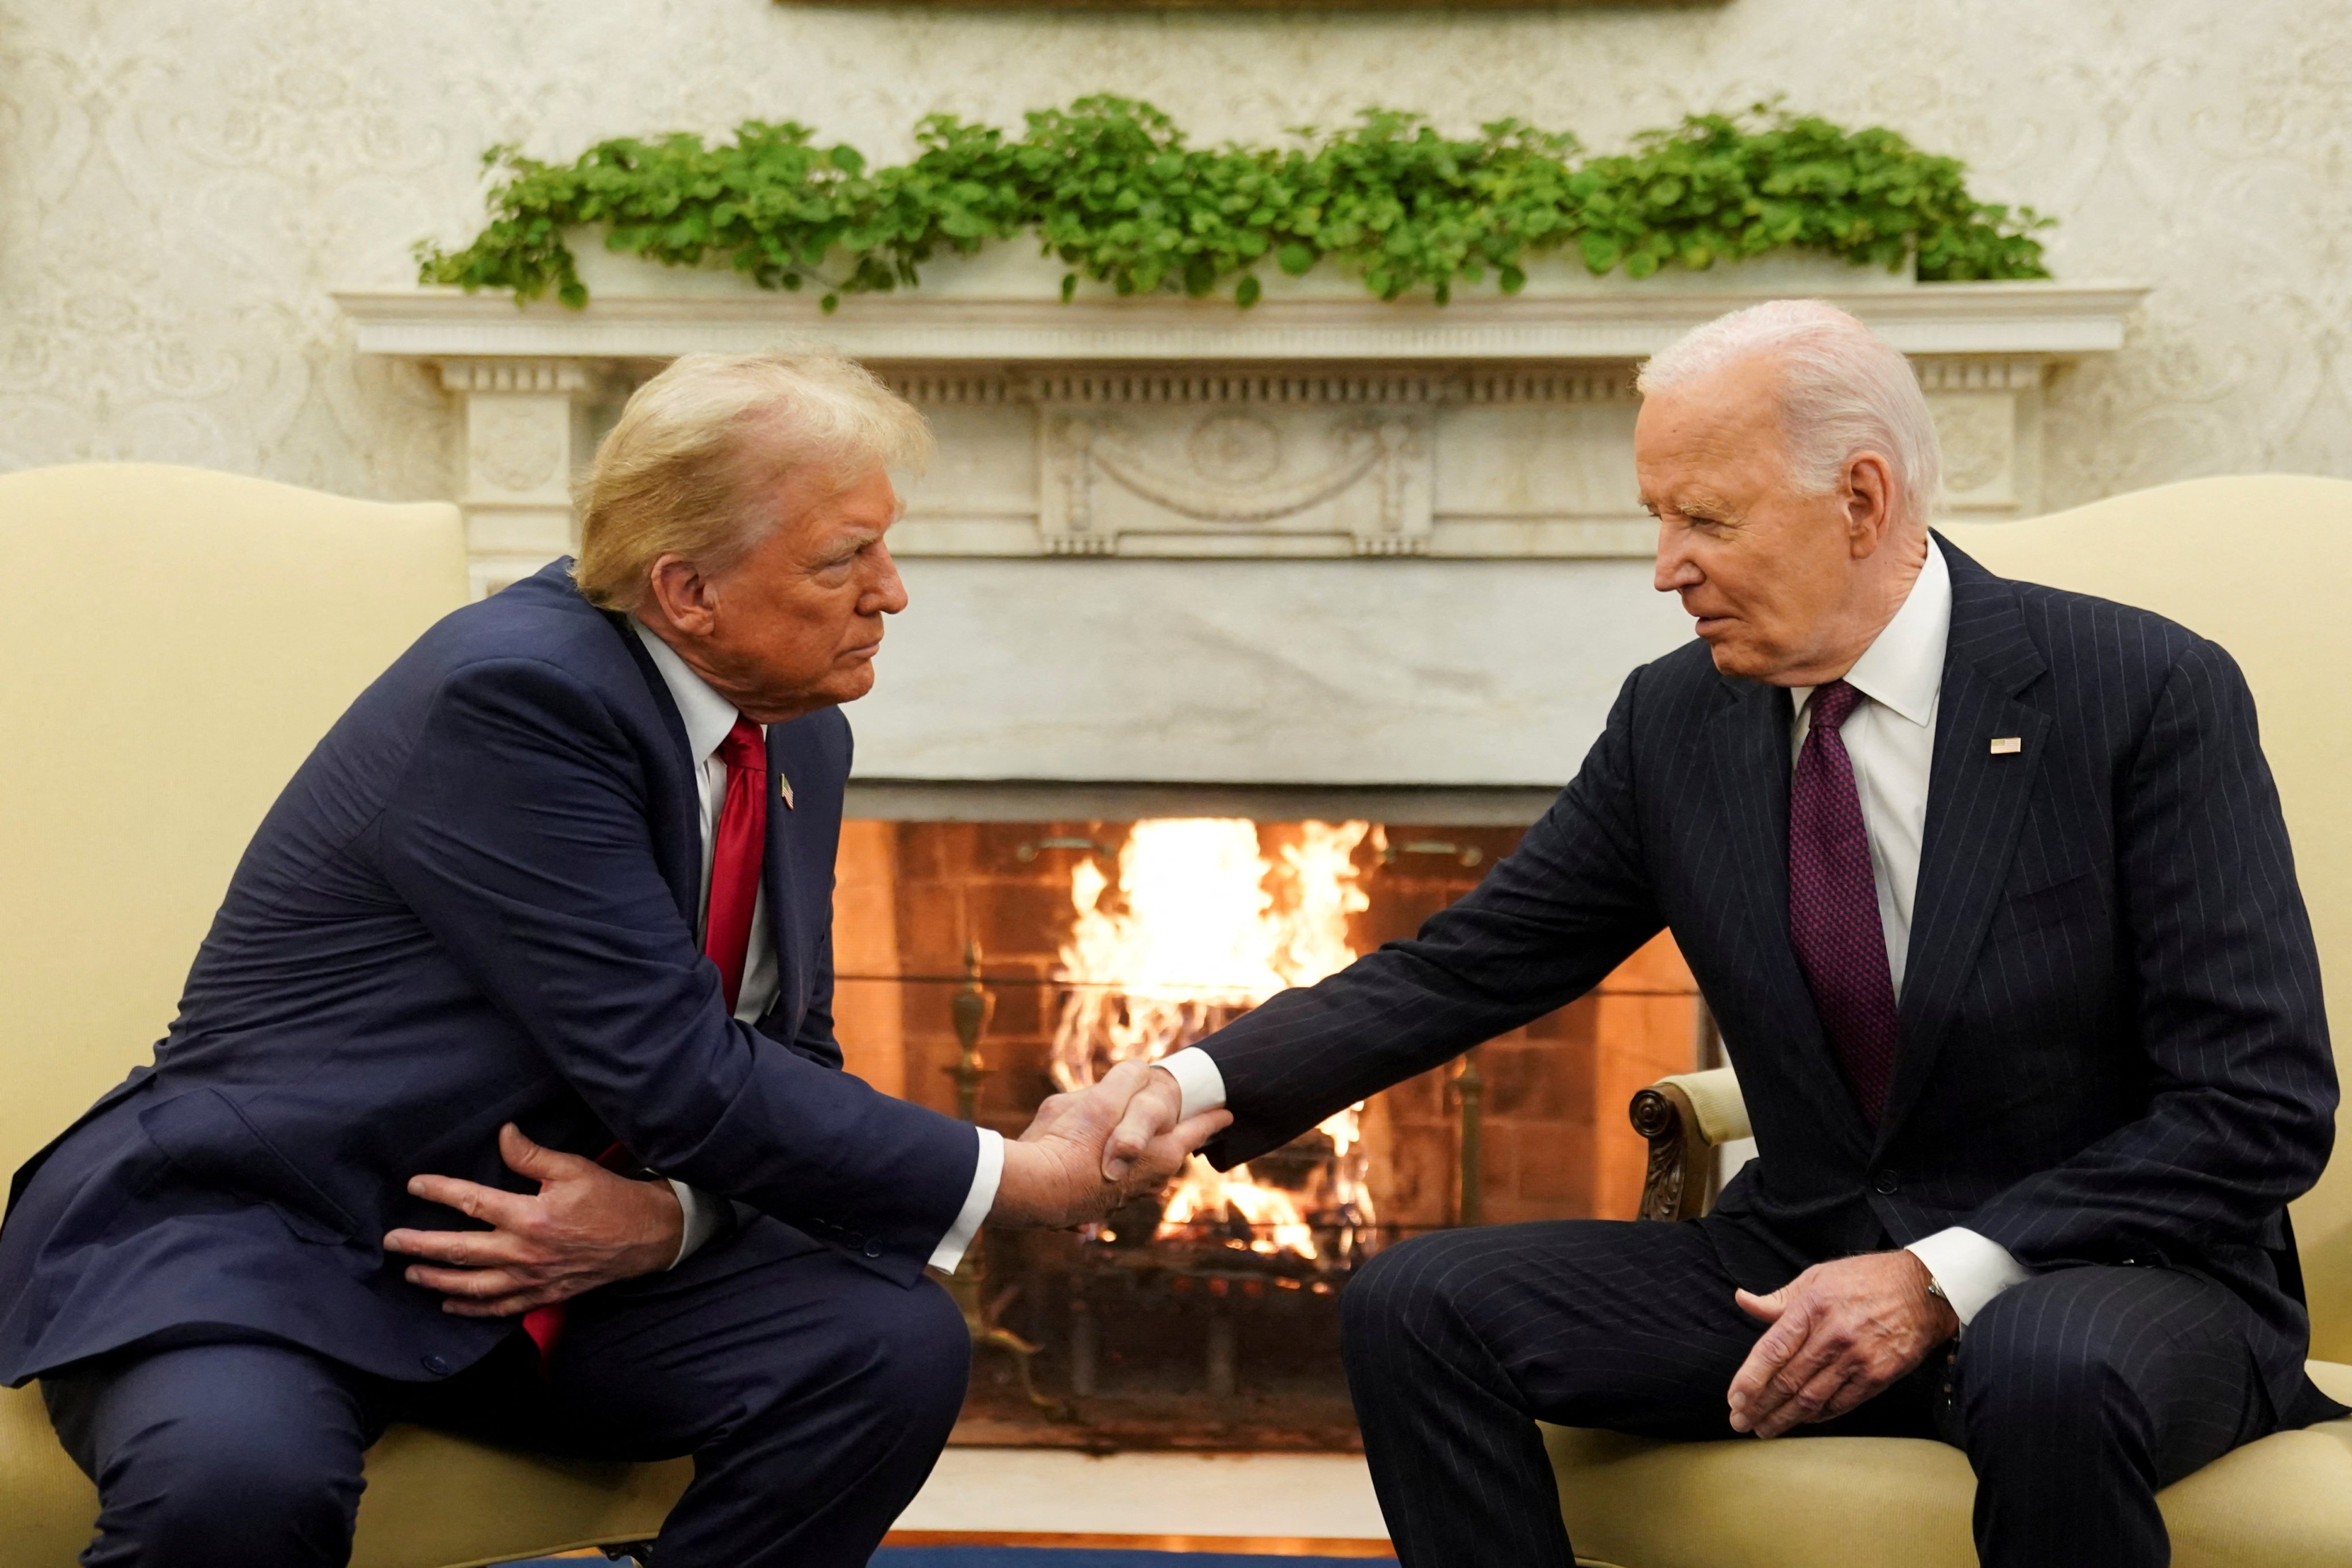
(1205, 1194)
(1198, 934)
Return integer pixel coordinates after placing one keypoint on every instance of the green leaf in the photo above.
(1110, 186)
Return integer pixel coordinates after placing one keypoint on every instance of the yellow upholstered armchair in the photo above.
(2232, 558)
(188, 637)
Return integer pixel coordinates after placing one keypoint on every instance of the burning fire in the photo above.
(1196, 934)
(1205, 1194)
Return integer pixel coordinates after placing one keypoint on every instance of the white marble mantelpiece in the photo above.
(1325, 544)
(1322, 423)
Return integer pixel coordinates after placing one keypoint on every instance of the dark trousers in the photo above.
(2075, 1395)
(814, 1396)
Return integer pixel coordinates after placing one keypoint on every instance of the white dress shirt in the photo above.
(1891, 738)
(708, 718)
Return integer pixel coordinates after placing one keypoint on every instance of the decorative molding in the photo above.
(569, 377)
(1228, 479)
(530, 426)
(1489, 428)
(1981, 375)
(1620, 324)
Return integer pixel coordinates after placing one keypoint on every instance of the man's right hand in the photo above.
(1156, 1108)
(1061, 1171)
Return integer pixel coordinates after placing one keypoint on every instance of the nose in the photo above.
(1675, 570)
(888, 593)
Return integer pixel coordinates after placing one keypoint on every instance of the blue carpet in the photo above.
(1089, 1557)
(1052, 1557)
(1048, 1557)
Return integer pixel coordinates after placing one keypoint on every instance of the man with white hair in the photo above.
(1988, 888)
(555, 892)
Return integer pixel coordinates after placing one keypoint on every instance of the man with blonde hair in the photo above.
(1989, 888)
(541, 932)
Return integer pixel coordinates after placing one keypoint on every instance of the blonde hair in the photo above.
(1843, 390)
(697, 448)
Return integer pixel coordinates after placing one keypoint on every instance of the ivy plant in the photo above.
(1112, 188)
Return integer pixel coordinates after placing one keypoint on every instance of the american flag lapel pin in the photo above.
(784, 788)
(2008, 745)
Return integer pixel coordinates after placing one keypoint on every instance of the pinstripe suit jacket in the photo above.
(2111, 1043)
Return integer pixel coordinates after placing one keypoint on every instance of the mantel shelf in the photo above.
(2060, 320)
(1322, 423)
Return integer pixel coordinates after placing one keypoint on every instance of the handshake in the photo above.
(1091, 1151)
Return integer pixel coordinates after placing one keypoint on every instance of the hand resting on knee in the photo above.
(1841, 1332)
(586, 1227)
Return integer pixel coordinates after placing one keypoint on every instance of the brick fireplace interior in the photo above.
(1218, 1357)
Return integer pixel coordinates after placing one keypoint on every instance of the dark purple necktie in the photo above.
(1834, 904)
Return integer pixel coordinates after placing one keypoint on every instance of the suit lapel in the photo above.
(779, 874)
(677, 800)
(1747, 744)
(1975, 805)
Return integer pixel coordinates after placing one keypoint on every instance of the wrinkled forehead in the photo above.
(1717, 430)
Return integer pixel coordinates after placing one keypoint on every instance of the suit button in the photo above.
(437, 1365)
(1885, 1182)
(872, 1249)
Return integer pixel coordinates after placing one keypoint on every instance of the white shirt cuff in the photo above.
(702, 1217)
(985, 1175)
(1971, 1269)
(1198, 1081)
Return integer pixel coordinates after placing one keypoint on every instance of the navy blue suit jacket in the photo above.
(475, 904)
(2111, 1045)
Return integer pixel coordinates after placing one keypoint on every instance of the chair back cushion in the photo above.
(178, 641)
(2243, 561)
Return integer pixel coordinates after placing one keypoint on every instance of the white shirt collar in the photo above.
(707, 715)
(1903, 668)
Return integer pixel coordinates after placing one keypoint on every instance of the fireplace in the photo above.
(1351, 577)
(1207, 1315)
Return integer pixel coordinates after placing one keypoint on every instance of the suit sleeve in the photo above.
(518, 836)
(2242, 1116)
(816, 1040)
(1550, 922)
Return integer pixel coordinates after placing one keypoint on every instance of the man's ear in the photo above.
(677, 591)
(1867, 494)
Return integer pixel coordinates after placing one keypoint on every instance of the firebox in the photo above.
(985, 963)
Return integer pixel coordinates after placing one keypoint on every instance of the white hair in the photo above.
(1843, 390)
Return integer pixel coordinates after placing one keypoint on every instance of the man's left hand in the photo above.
(1841, 1333)
(584, 1227)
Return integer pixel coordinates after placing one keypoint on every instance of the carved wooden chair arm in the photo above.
(1685, 1117)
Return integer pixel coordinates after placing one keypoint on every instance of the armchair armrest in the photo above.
(1685, 1117)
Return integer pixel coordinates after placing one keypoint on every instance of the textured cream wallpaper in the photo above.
(182, 181)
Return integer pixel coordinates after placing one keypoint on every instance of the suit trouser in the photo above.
(814, 1394)
(2075, 1395)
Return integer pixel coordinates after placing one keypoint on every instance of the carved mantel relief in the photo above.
(528, 426)
(1248, 464)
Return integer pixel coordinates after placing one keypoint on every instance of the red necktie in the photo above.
(735, 854)
(735, 857)
(1834, 904)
